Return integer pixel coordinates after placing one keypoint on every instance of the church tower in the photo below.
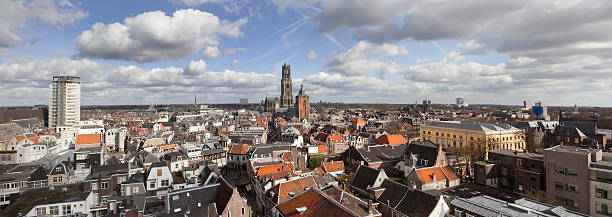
(286, 91)
(302, 102)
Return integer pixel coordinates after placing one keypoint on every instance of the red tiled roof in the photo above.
(20, 138)
(322, 148)
(287, 157)
(239, 149)
(297, 187)
(395, 139)
(449, 173)
(334, 166)
(336, 138)
(426, 175)
(34, 139)
(83, 139)
(319, 170)
(266, 170)
(358, 121)
(316, 203)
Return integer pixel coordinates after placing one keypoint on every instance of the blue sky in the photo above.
(141, 52)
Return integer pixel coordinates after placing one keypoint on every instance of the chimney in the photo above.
(370, 207)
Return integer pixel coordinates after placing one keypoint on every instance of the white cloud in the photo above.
(14, 14)
(312, 55)
(196, 2)
(130, 84)
(471, 47)
(355, 60)
(235, 64)
(232, 51)
(211, 52)
(153, 36)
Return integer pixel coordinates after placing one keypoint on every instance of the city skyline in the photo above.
(167, 52)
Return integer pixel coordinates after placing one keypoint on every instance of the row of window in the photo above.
(566, 186)
(54, 210)
(566, 171)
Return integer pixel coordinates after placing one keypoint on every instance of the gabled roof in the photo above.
(365, 177)
(271, 169)
(425, 150)
(428, 174)
(585, 127)
(295, 187)
(395, 139)
(350, 201)
(84, 139)
(239, 149)
(322, 148)
(334, 166)
(402, 199)
(313, 203)
(321, 137)
(382, 153)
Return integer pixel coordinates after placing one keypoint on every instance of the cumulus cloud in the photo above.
(355, 60)
(339, 87)
(154, 36)
(471, 47)
(14, 14)
(312, 55)
(211, 52)
(103, 84)
(196, 2)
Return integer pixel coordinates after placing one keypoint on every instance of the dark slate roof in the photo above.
(192, 198)
(382, 153)
(424, 150)
(585, 127)
(394, 192)
(473, 126)
(64, 168)
(569, 131)
(364, 177)
(422, 207)
(159, 164)
(37, 196)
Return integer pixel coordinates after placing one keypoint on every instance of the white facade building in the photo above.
(64, 101)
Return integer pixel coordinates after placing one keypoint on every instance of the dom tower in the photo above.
(286, 88)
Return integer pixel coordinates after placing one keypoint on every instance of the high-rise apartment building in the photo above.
(64, 101)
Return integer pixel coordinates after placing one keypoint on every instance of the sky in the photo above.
(353, 51)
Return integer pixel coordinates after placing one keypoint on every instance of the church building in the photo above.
(285, 104)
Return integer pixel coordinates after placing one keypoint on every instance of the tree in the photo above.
(315, 162)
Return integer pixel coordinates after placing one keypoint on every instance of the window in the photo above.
(104, 199)
(559, 186)
(532, 178)
(572, 172)
(41, 211)
(58, 169)
(603, 208)
(242, 210)
(66, 210)
(94, 186)
(159, 172)
(472, 138)
(165, 182)
(520, 187)
(135, 189)
(560, 170)
(602, 192)
(573, 188)
(54, 210)
(104, 185)
(152, 184)
(121, 179)
(4, 197)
